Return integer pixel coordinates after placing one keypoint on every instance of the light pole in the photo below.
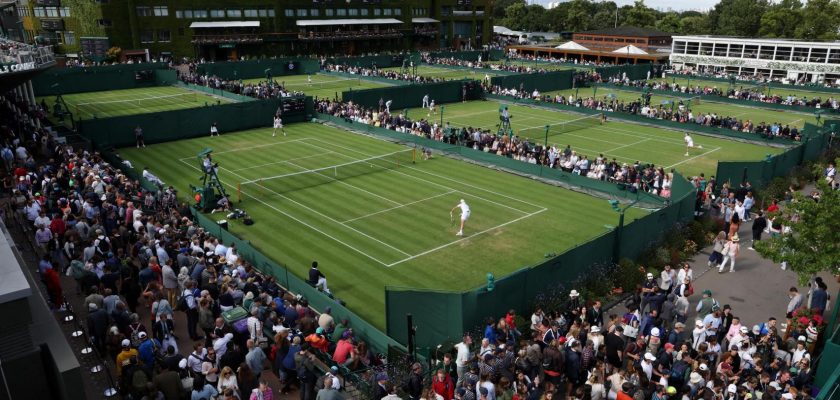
(620, 210)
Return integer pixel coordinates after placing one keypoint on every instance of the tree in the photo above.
(695, 25)
(780, 20)
(670, 22)
(578, 14)
(640, 15)
(813, 244)
(515, 16)
(738, 17)
(500, 7)
(819, 20)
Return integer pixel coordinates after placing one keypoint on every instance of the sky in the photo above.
(677, 5)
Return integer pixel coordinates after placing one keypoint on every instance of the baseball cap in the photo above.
(704, 367)
(732, 388)
(669, 346)
(650, 357)
(744, 329)
(707, 292)
(141, 335)
(126, 343)
(654, 332)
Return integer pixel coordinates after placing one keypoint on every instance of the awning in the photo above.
(424, 21)
(570, 45)
(329, 22)
(630, 50)
(225, 24)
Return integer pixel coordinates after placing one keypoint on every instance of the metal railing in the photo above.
(24, 56)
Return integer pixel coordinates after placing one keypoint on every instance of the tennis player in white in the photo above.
(689, 143)
(278, 124)
(465, 214)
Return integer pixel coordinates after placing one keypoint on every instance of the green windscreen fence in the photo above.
(96, 79)
(630, 71)
(252, 69)
(759, 173)
(378, 61)
(465, 55)
(544, 82)
(412, 95)
(186, 123)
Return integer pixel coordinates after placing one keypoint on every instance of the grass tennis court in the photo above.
(774, 89)
(388, 226)
(623, 141)
(432, 71)
(754, 114)
(114, 103)
(322, 86)
(539, 64)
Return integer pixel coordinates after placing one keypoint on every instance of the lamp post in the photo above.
(620, 210)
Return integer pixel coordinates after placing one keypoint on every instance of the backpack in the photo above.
(182, 304)
(679, 369)
(134, 337)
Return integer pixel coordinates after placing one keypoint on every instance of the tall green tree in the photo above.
(515, 16)
(670, 22)
(695, 25)
(819, 20)
(578, 15)
(499, 7)
(813, 244)
(738, 17)
(780, 20)
(640, 15)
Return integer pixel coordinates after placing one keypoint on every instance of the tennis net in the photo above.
(539, 132)
(96, 108)
(294, 181)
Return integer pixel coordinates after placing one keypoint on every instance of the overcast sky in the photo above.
(678, 5)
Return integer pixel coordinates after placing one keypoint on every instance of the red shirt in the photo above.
(772, 208)
(445, 387)
(623, 396)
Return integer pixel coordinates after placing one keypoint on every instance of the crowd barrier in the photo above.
(772, 85)
(660, 123)
(759, 173)
(251, 69)
(412, 95)
(167, 126)
(629, 71)
(57, 81)
(544, 82)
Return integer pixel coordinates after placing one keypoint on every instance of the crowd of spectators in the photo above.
(639, 176)
(680, 112)
(382, 73)
(561, 60)
(348, 34)
(745, 78)
(483, 64)
(260, 90)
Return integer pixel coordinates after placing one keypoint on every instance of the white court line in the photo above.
(399, 206)
(282, 162)
(347, 184)
(697, 156)
(324, 215)
(251, 147)
(444, 177)
(625, 146)
(466, 238)
(297, 220)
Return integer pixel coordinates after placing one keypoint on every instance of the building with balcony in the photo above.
(784, 60)
(622, 45)
(219, 29)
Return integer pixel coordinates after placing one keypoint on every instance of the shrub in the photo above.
(627, 275)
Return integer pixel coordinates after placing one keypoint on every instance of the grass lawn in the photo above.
(774, 90)
(755, 114)
(114, 103)
(432, 71)
(322, 86)
(623, 141)
(538, 64)
(388, 225)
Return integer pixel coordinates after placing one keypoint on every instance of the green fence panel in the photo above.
(166, 77)
(377, 340)
(544, 82)
(480, 72)
(93, 79)
(186, 123)
(632, 72)
(438, 315)
(462, 55)
(412, 95)
(252, 69)
(496, 54)
(378, 61)
(215, 92)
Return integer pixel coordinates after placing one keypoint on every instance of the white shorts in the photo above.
(278, 126)
(465, 216)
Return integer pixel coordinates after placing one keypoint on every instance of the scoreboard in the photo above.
(95, 47)
(292, 108)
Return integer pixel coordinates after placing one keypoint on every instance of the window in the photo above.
(818, 55)
(146, 36)
(52, 12)
(64, 12)
(800, 54)
(289, 12)
(104, 22)
(398, 11)
(364, 12)
(735, 50)
(144, 11)
(40, 12)
(69, 38)
(328, 12)
(164, 35)
(250, 13)
(782, 53)
(271, 12)
(161, 11)
(24, 12)
(720, 49)
(234, 13)
(263, 13)
(445, 11)
(200, 14)
(377, 11)
(341, 12)
(766, 52)
(314, 12)
(353, 12)
(387, 11)
(179, 14)
(217, 13)
(706, 49)
(834, 56)
(750, 51)
(301, 12)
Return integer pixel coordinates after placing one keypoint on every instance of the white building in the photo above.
(777, 59)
